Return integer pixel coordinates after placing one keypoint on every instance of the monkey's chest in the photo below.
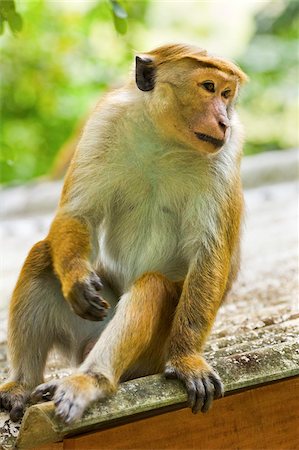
(140, 237)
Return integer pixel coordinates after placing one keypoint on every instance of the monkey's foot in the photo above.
(203, 384)
(85, 298)
(72, 395)
(13, 398)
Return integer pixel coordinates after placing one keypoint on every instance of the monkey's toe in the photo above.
(70, 406)
(15, 405)
(44, 392)
(17, 410)
(74, 394)
(13, 399)
(202, 388)
(64, 395)
(207, 388)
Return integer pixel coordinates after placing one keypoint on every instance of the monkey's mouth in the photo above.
(206, 138)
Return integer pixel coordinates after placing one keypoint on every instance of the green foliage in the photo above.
(9, 14)
(269, 105)
(56, 68)
(52, 77)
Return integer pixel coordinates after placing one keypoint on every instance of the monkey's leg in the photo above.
(39, 319)
(202, 293)
(138, 332)
(30, 335)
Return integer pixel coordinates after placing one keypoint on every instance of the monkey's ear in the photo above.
(145, 72)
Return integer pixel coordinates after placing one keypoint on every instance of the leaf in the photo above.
(118, 10)
(6, 8)
(15, 21)
(120, 24)
(1, 25)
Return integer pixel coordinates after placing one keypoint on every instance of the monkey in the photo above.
(145, 243)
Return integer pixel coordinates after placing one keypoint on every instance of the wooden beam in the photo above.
(265, 418)
(148, 395)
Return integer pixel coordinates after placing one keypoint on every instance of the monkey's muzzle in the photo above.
(217, 143)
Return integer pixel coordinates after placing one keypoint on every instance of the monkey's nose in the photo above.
(223, 124)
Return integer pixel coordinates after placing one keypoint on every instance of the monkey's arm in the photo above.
(72, 241)
(202, 293)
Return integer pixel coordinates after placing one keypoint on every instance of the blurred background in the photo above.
(58, 57)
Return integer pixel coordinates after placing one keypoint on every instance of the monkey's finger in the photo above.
(98, 302)
(218, 385)
(95, 313)
(91, 317)
(199, 396)
(209, 394)
(104, 304)
(96, 283)
(88, 311)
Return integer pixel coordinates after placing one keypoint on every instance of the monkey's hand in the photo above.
(73, 394)
(201, 381)
(13, 398)
(85, 299)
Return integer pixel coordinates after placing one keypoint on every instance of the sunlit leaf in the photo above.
(15, 21)
(120, 24)
(118, 10)
(8, 13)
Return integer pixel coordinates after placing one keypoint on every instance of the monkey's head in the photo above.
(189, 94)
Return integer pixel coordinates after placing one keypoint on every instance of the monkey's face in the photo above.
(204, 104)
(191, 100)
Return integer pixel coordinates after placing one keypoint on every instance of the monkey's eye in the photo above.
(226, 94)
(209, 86)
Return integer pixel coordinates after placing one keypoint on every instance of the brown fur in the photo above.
(70, 244)
(174, 53)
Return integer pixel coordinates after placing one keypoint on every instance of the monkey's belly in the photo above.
(129, 248)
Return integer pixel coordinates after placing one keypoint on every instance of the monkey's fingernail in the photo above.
(105, 304)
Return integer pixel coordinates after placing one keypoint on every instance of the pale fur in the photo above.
(175, 210)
